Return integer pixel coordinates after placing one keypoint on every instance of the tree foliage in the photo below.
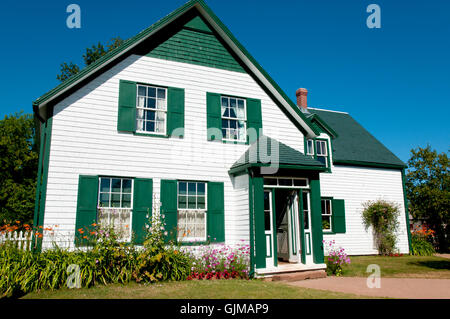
(92, 54)
(427, 187)
(18, 161)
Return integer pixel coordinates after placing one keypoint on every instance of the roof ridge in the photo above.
(315, 108)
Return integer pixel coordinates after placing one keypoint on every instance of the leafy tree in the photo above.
(427, 188)
(67, 70)
(18, 162)
(92, 54)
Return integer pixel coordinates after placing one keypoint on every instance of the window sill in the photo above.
(234, 142)
(150, 134)
(192, 243)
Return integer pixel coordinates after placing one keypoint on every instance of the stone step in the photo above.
(300, 275)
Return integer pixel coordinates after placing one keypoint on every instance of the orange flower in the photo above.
(85, 237)
(94, 224)
(17, 221)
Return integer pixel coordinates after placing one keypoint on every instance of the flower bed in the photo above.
(220, 261)
(336, 258)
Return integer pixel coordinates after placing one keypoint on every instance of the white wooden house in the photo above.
(182, 111)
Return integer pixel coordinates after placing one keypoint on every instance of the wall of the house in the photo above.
(85, 140)
(357, 185)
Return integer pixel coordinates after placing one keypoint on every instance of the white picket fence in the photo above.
(22, 239)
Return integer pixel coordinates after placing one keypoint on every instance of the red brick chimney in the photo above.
(302, 98)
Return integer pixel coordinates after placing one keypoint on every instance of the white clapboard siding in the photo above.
(85, 140)
(357, 185)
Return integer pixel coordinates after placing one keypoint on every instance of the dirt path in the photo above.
(409, 288)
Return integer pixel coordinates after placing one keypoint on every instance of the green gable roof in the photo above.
(260, 154)
(197, 44)
(43, 105)
(354, 145)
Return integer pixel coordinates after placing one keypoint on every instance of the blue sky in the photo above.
(395, 80)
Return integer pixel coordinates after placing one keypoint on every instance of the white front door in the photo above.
(268, 228)
(294, 239)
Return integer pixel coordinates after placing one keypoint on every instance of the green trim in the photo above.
(260, 238)
(251, 218)
(302, 226)
(405, 199)
(316, 221)
(39, 181)
(44, 162)
(274, 230)
(193, 243)
(234, 142)
(367, 164)
(150, 134)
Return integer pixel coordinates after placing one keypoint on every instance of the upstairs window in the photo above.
(151, 109)
(310, 147)
(233, 119)
(322, 151)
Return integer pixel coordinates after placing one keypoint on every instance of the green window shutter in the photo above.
(86, 208)
(254, 118)
(142, 208)
(169, 201)
(213, 116)
(175, 111)
(127, 106)
(216, 212)
(338, 215)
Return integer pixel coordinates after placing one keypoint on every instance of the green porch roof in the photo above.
(354, 145)
(260, 154)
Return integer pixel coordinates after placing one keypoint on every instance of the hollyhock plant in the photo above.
(336, 258)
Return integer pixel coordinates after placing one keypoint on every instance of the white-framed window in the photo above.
(234, 119)
(310, 147)
(326, 214)
(192, 207)
(115, 205)
(288, 182)
(151, 109)
(322, 151)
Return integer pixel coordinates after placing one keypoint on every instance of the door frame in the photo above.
(298, 219)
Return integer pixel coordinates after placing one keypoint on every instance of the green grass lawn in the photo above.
(404, 266)
(205, 289)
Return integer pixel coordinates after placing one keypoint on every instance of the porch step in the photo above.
(301, 275)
